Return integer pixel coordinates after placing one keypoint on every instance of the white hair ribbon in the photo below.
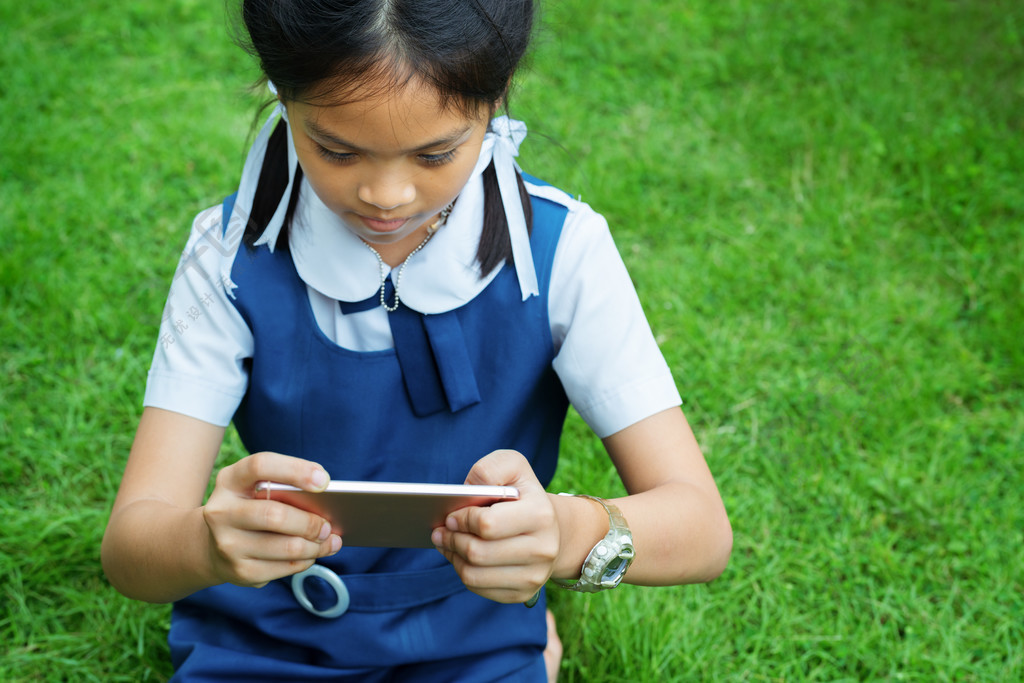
(251, 176)
(509, 134)
(242, 210)
(273, 229)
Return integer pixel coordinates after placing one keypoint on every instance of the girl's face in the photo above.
(389, 162)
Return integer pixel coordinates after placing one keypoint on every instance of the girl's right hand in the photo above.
(254, 541)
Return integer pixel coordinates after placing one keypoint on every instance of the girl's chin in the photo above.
(382, 239)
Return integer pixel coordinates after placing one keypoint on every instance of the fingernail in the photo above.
(320, 479)
(335, 544)
(435, 537)
(451, 524)
(325, 531)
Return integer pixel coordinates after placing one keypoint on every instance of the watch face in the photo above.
(614, 571)
(617, 566)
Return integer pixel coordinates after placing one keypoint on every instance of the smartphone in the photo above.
(386, 514)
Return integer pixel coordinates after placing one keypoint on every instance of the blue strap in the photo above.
(226, 208)
(452, 357)
(432, 354)
(416, 358)
(368, 303)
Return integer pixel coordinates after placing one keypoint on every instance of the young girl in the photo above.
(387, 298)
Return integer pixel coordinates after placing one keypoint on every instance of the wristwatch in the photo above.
(609, 559)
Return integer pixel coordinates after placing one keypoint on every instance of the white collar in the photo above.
(443, 275)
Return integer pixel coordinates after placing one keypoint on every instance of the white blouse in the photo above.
(606, 356)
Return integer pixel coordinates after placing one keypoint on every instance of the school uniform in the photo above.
(293, 345)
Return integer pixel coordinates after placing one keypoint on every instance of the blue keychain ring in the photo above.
(333, 580)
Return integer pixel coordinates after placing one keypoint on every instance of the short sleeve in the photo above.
(606, 356)
(198, 367)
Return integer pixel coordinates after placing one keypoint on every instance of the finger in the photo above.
(265, 466)
(274, 548)
(252, 558)
(504, 584)
(527, 515)
(258, 573)
(266, 547)
(516, 551)
(224, 513)
(500, 468)
(281, 518)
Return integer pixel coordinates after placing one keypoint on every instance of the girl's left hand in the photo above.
(505, 552)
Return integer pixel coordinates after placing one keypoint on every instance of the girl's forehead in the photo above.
(408, 115)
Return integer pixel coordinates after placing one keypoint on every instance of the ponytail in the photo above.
(495, 245)
(270, 190)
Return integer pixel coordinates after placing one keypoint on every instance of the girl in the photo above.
(387, 298)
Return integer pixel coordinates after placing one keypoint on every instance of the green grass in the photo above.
(820, 203)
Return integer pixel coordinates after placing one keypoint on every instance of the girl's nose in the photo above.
(387, 192)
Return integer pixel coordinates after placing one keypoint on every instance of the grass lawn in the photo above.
(821, 204)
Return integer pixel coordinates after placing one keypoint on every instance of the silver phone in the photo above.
(386, 514)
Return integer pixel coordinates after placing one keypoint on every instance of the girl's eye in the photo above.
(348, 157)
(438, 159)
(335, 157)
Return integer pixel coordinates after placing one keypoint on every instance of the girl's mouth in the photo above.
(380, 225)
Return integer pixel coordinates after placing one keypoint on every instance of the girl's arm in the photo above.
(162, 543)
(680, 528)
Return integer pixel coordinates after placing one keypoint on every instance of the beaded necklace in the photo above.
(431, 229)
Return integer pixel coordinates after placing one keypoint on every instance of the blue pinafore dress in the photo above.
(476, 379)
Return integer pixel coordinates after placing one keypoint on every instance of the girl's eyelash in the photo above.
(345, 157)
(438, 159)
(336, 157)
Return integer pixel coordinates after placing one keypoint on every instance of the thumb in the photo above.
(502, 468)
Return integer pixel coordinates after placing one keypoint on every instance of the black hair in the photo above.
(321, 51)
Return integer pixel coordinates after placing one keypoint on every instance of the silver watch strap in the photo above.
(616, 522)
(618, 540)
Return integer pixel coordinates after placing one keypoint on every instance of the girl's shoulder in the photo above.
(581, 219)
(212, 246)
(545, 190)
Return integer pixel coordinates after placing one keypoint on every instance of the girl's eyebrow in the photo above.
(453, 138)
